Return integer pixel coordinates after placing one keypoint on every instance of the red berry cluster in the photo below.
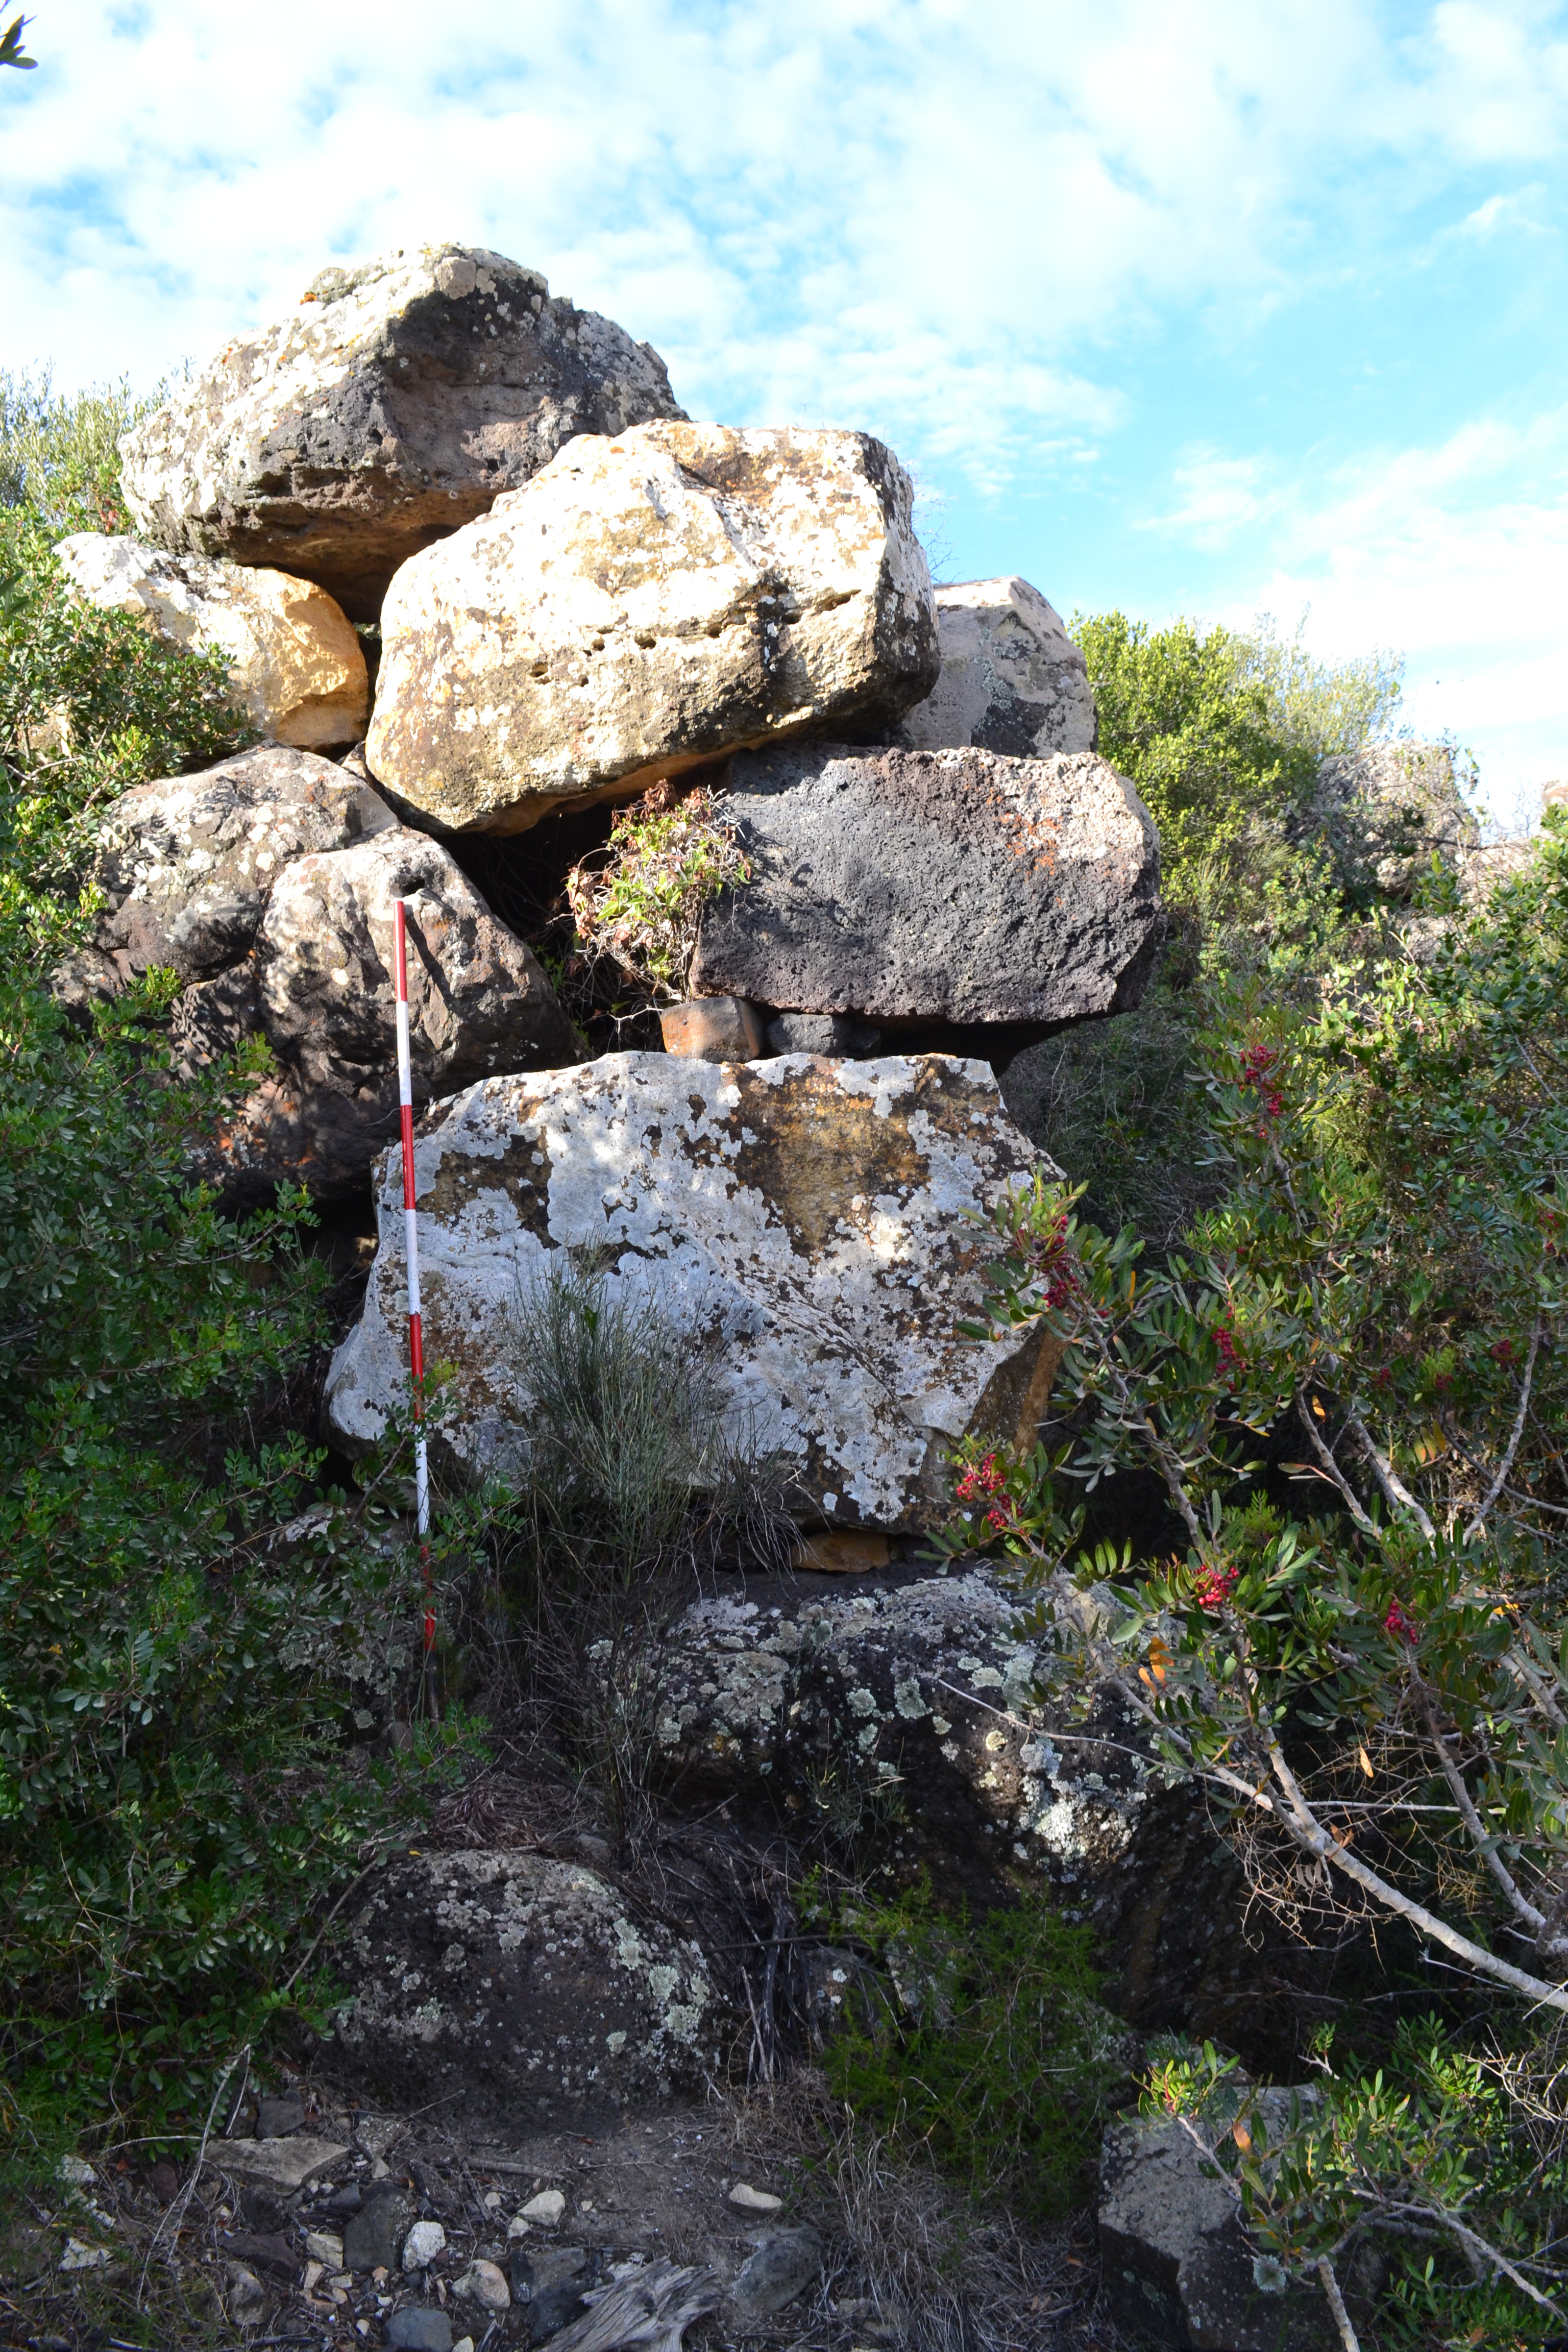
(1053, 1266)
(1403, 1628)
(987, 1482)
(1231, 1359)
(1211, 1587)
(1258, 1064)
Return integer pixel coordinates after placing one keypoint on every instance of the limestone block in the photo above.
(294, 661)
(964, 885)
(1012, 679)
(807, 1221)
(647, 603)
(390, 408)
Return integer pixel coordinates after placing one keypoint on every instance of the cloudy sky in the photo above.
(1202, 306)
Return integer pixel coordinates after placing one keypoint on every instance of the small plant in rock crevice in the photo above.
(638, 902)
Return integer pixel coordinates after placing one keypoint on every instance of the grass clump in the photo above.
(995, 2057)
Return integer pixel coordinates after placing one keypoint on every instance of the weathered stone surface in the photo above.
(808, 1221)
(477, 1002)
(647, 603)
(1012, 679)
(923, 1686)
(1176, 2267)
(1385, 811)
(962, 884)
(821, 1033)
(779, 2272)
(294, 661)
(526, 1985)
(188, 865)
(281, 2164)
(389, 408)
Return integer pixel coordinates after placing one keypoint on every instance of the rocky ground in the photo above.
(748, 2199)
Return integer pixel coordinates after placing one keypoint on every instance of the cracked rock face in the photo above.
(809, 1223)
(294, 661)
(391, 406)
(648, 602)
(268, 884)
(525, 1984)
(1012, 679)
(918, 1700)
(966, 885)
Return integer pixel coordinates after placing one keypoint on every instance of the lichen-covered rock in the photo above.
(1012, 679)
(1385, 811)
(809, 1223)
(294, 661)
(1176, 2267)
(527, 1985)
(389, 408)
(477, 1002)
(917, 1699)
(966, 885)
(188, 865)
(646, 602)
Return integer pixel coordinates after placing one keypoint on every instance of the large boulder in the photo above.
(1012, 679)
(390, 408)
(294, 661)
(646, 602)
(1384, 812)
(912, 1696)
(966, 885)
(188, 865)
(321, 974)
(526, 1986)
(809, 1223)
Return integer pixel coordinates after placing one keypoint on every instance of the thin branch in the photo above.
(1478, 1525)
(1348, 2337)
(1485, 1846)
(1330, 1467)
(1395, 1491)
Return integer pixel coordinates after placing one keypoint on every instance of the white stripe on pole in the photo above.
(411, 1232)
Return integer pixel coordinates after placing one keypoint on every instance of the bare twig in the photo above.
(1479, 1523)
(1336, 2303)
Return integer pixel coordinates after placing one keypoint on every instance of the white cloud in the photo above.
(928, 215)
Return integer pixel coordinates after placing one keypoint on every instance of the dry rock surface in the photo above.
(1012, 679)
(294, 661)
(268, 884)
(964, 885)
(391, 406)
(809, 1223)
(648, 602)
(526, 1985)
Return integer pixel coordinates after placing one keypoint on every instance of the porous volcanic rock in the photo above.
(188, 865)
(966, 885)
(294, 661)
(1012, 679)
(526, 1985)
(391, 406)
(646, 602)
(807, 1221)
(477, 1002)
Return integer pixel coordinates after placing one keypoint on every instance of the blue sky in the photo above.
(1170, 304)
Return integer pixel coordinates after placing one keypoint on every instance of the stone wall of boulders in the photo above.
(571, 592)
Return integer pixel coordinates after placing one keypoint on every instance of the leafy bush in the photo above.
(638, 904)
(997, 2058)
(1363, 1660)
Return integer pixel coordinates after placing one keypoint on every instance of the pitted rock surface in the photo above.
(1012, 679)
(478, 1002)
(294, 661)
(527, 1985)
(965, 885)
(390, 408)
(809, 1223)
(920, 1695)
(188, 865)
(646, 602)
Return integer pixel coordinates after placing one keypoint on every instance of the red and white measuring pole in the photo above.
(411, 1252)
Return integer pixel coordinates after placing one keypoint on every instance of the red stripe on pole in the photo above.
(415, 1329)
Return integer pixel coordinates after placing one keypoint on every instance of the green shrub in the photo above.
(995, 2057)
(637, 903)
